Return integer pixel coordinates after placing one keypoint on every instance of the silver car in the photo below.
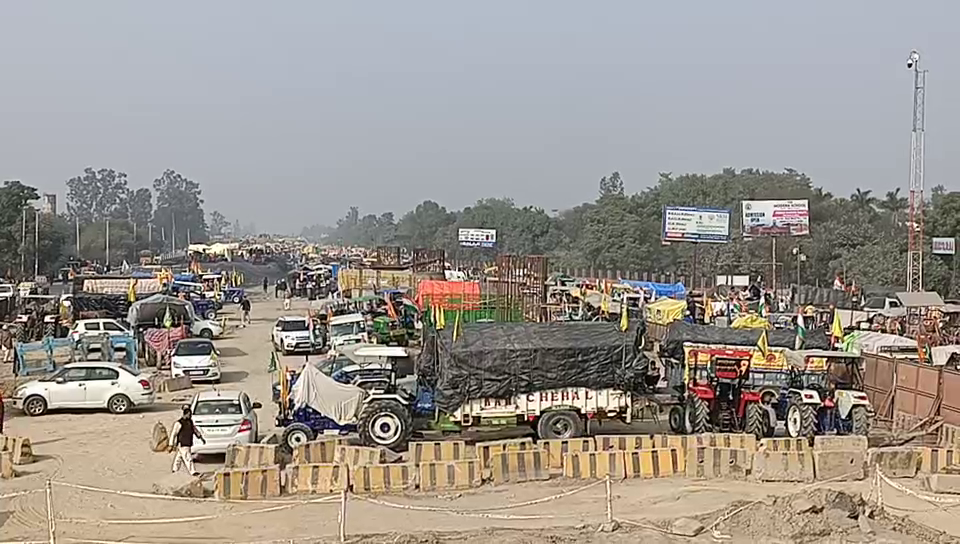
(224, 418)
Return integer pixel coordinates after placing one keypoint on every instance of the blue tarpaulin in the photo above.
(672, 290)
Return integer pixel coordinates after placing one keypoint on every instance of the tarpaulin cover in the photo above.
(680, 332)
(750, 321)
(432, 291)
(665, 311)
(821, 297)
(501, 360)
(120, 286)
(152, 310)
(115, 306)
(337, 401)
(672, 290)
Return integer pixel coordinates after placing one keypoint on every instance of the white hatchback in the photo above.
(224, 418)
(196, 358)
(113, 386)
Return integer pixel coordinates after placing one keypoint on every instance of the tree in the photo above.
(863, 200)
(423, 226)
(219, 226)
(179, 209)
(611, 185)
(98, 195)
(14, 198)
(141, 207)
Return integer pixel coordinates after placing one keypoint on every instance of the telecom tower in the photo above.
(915, 224)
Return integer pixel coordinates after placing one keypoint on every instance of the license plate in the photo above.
(195, 372)
(217, 430)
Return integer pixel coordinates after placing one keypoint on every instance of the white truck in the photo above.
(348, 329)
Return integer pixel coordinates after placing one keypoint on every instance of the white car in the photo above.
(206, 328)
(113, 386)
(196, 358)
(96, 327)
(292, 334)
(348, 329)
(224, 418)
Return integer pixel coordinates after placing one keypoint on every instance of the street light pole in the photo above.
(36, 247)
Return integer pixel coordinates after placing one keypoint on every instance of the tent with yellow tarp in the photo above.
(750, 321)
(665, 311)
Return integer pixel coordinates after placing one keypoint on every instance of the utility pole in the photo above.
(915, 222)
(23, 243)
(150, 234)
(107, 263)
(78, 237)
(173, 234)
(36, 246)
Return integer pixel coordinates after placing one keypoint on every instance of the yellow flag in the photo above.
(456, 326)
(707, 311)
(763, 344)
(442, 317)
(836, 331)
(132, 291)
(623, 315)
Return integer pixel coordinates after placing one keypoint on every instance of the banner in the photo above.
(944, 246)
(775, 218)
(684, 224)
(477, 237)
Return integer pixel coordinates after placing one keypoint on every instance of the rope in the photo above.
(158, 521)
(920, 495)
(142, 495)
(470, 514)
(18, 494)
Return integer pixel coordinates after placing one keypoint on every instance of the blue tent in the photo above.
(672, 290)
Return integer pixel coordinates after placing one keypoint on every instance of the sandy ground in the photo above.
(102, 450)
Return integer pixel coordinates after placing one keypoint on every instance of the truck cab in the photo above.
(348, 329)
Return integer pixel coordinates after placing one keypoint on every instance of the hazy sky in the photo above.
(289, 112)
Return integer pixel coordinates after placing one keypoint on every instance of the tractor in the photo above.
(725, 395)
(825, 395)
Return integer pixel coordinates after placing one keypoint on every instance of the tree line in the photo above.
(862, 237)
(151, 219)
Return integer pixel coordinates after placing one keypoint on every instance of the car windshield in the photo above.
(217, 407)
(343, 329)
(53, 375)
(293, 325)
(875, 303)
(130, 370)
(188, 349)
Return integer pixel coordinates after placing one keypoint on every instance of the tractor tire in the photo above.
(676, 420)
(801, 420)
(561, 424)
(294, 435)
(696, 415)
(860, 420)
(236, 299)
(385, 423)
(211, 315)
(756, 421)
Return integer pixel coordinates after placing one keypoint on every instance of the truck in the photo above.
(348, 329)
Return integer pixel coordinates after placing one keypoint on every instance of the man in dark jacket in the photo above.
(181, 438)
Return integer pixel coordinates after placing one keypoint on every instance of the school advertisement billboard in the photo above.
(689, 224)
(775, 218)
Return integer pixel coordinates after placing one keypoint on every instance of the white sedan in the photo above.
(197, 359)
(224, 418)
(113, 386)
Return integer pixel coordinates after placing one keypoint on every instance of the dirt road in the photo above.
(112, 452)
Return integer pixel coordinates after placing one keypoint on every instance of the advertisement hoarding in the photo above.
(775, 218)
(687, 224)
(477, 237)
(944, 246)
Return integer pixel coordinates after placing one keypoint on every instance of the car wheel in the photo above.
(35, 406)
(206, 333)
(118, 404)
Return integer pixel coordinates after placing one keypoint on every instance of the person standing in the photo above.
(245, 308)
(6, 344)
(286, 300)
(266, 285)
(181, 438)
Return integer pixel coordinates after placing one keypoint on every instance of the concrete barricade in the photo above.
(657, 463)
(247, 483)
(718, 463)
(784, 444)
(593, 465)
(935, 460)
(519, 466)
(903, 422)
(353, 456)
(170, 385)
(849, 442)
(317, 451)
(630, 442)
(783, 466)
(450, 475)
(949, 436)
(895, 462)
(839, 465)
(21, 452)
(486, 450)
(6, 465)
(558, 449)
(944, 483)
(319, 478)
(444, 450)
(251, 456)
(383, 478)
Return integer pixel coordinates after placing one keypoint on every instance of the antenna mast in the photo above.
(915, 222)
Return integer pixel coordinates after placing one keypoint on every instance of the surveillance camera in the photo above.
(909, 65)
(913, 59)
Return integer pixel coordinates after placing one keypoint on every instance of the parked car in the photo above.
(113, 386)
(224, 418)
(292, 334)
(205, 328)
(196, 358)
(97, 327)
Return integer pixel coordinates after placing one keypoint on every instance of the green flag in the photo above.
(167, 319)
(801, 332)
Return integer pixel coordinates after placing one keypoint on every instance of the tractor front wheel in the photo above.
(696, 415)
(676, 420)
(756, 421)
(860, 420)
(385, 423)
(801, 419)
(294, 435)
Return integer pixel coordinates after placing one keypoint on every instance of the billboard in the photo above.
(944, 246)
(685, 224)
(775, 218)
(477, 237)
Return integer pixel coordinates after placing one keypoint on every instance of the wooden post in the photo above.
(609, 501)
(342, 517)
(51, 524)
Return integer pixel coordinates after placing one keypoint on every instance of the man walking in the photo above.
(245, 308)
(6, 344)
(181, 437)
(266, 285)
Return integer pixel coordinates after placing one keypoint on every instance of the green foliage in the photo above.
(97, 195)
(179, 208)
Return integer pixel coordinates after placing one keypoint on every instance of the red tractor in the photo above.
(721, 397)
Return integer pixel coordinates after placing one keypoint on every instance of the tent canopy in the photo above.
(665, 311)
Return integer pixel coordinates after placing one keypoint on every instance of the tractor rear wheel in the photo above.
(696, 415)
(385, 423)
(756, 421)
(860, 420)
(801, 419)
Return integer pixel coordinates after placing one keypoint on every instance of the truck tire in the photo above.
(860, 420)
(561, 424)
(385, 423)
(801, 419)
(756, 421)
(294, 435)
(696, 415)
(676, 420)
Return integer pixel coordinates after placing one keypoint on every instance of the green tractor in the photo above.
(389, 331)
